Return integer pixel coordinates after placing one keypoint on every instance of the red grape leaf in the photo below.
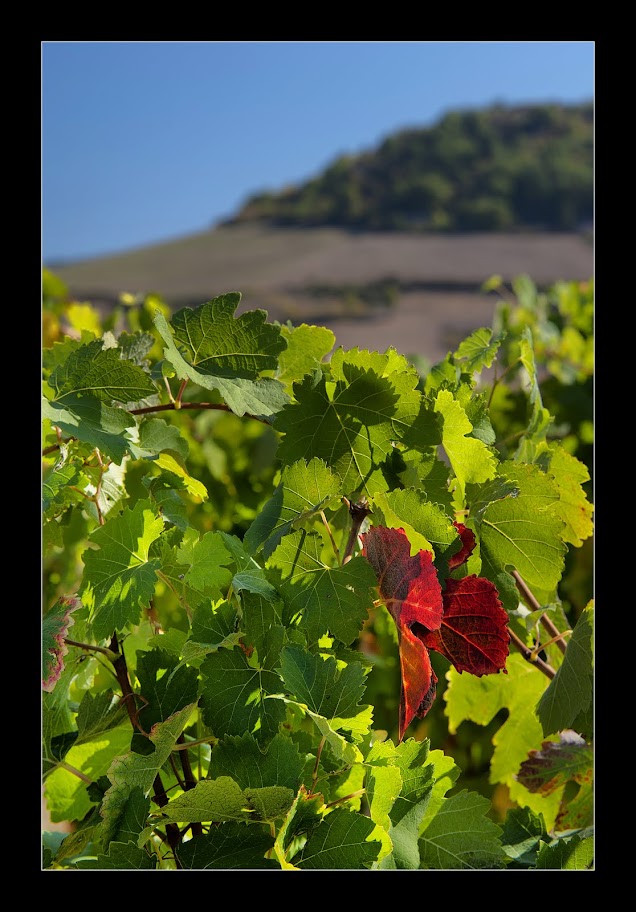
(55, 625)
(474, 632)
(408, 585)
(468, 546)
(419, 681)
(411, 591)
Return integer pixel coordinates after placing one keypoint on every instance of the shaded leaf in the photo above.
(124, 856)
(93, 422)
(242, 758)
(461, 836)
(234, 696)
(334, 600)
(136, 770)
(523, 831)
(305, 489)
(318, 682)
(229, 846)
(573, 854)
(340, 841)
(352, 421)
(570, 692)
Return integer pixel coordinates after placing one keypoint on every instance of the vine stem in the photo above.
(160, 796)
(110, 655)
(546, 622)
(346, 797)
(529, 656)
(168, 407)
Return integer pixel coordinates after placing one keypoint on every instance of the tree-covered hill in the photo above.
(500, 169)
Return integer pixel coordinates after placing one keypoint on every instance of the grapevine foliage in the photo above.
(261, 555)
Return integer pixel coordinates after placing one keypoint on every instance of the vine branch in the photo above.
(546, 622)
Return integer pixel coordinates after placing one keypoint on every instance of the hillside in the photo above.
(417, 292)
(497, 169)
(391, 247)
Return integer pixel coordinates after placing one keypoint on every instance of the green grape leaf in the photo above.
(93, 422)
(479, 700)
(262, 623)
(214, 627)
(55, 626)
(302, 816)
(429, 474)
(575, 853)
(119, 577)
(403, 787)
(418, 776)
(460, 836)
(227, 354)
(570, 692)
(342, 750)
(56, 490)
(342, 840)
(166, 686)
(250, 576)
(425, 524)
(470, 459)
(384, 783)
(573, 506)
(216, 800)
(136, 347)
(175, 466)
(234, 696)
(126, 856)
(99, 713)
(306, 348)
(133, 817)
(209, 560)
(156, 435)
(540, 418)
(352, 421)
(479, 350)
(242, 758)
(67, 797)
(328, 600)
(231, 846)
(101, 373)
(521, 838)
(132, 770)
(305, 489)
(327, 690)
(167, 550)
(219, 343)
(524, 532)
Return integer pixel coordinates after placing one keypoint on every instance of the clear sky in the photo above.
(143, 142)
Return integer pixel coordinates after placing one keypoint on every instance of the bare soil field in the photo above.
(437, 277)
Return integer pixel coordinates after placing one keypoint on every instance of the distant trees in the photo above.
(497, 169)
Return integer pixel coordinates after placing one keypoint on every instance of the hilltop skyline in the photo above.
(158, 140)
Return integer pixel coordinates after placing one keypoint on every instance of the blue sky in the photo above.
(143, 142)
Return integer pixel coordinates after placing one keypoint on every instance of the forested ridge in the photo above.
(496, 169)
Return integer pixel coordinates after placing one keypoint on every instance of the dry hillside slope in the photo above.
(320, 276)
